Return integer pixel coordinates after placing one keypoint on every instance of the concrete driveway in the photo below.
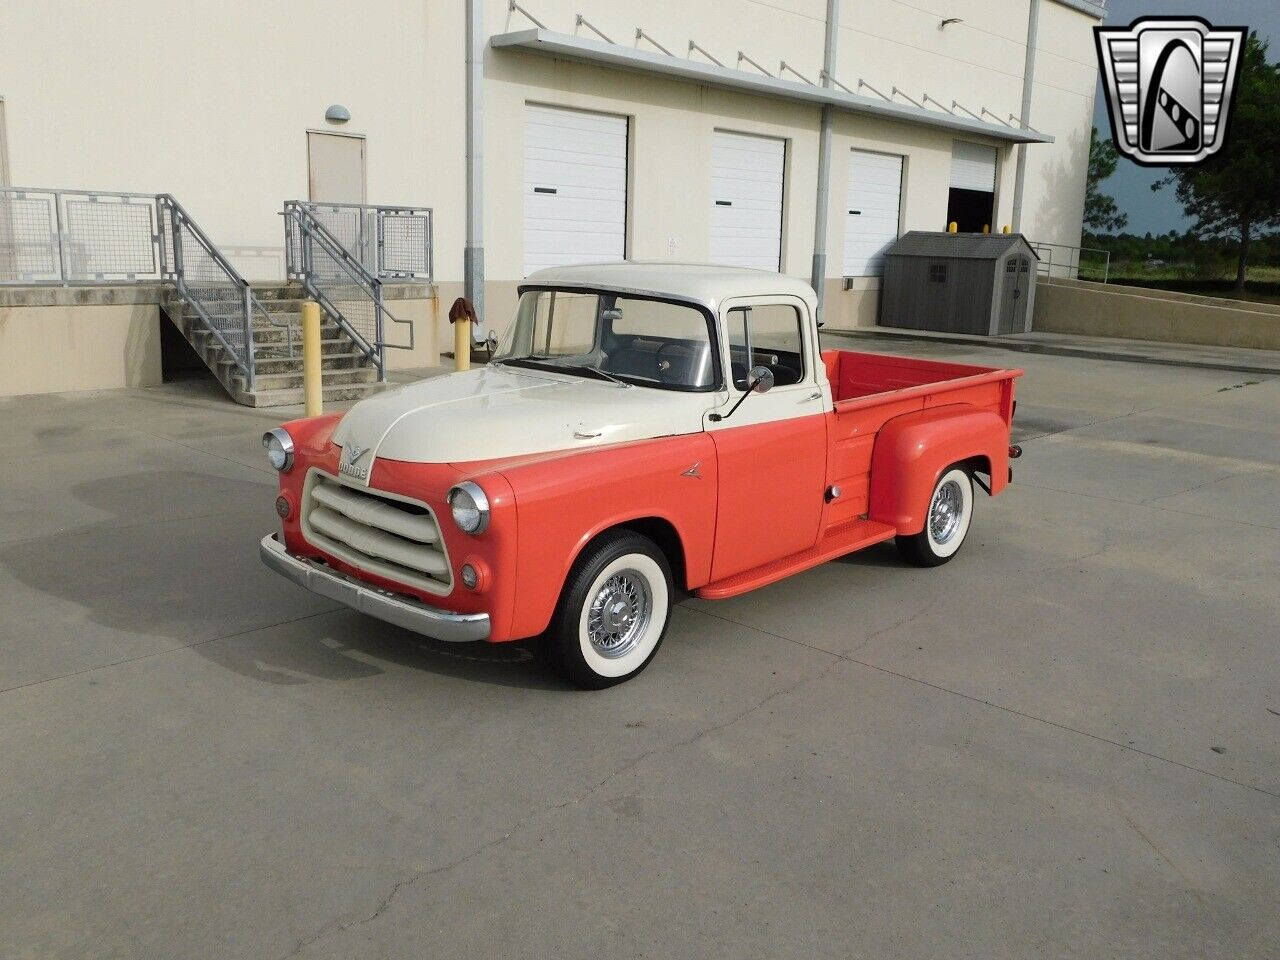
(1064, 744)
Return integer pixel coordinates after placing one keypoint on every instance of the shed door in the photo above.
(746, 200)
(335, 167)
(971, 201)
(1015, 294)
(575, 187)
(873, 199)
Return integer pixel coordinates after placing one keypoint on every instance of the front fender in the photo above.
(912, 451)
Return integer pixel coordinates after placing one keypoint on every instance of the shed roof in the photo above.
(962, 246)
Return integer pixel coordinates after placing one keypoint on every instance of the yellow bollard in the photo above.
(986, 228)
(1005, 229)
(462, 344)
(953, 227)
(312, 386)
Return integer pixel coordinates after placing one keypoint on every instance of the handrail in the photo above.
(96, 237)
(373, 221)
(1073, 261)
(312, 233)
(180, 222)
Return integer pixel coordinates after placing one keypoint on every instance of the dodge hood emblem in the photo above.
(351, 454)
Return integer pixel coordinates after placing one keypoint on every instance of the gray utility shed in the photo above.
(959, 283)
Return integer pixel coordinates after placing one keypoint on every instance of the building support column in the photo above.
(473, 252)
(823, 199)
(1028, 81)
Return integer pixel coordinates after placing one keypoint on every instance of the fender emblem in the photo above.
(355, 452)
(693, 471)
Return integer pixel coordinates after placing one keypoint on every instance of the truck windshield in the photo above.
(629, 339)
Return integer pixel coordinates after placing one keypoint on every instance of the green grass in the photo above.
(1218, 280)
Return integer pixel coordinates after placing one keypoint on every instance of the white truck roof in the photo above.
(698, 282)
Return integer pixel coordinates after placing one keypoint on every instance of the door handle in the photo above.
(816, 395)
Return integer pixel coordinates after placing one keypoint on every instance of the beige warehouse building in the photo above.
(687, 131)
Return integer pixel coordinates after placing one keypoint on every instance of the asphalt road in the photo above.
(1066, 743)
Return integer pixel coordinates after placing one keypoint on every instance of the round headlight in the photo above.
(470, 507)
(279, 448)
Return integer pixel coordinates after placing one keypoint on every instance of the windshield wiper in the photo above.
(541, 363)
(600, 373)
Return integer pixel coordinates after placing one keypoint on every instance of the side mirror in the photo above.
(761, 379)
(491, 341)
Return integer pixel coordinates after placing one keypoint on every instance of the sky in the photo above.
(1131, 185)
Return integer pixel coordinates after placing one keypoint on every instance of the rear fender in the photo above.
(912, 451)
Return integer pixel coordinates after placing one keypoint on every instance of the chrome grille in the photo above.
(391, 537)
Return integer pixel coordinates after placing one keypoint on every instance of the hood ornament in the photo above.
(352, 453)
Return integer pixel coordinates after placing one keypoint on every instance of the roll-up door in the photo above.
(873, 200)
(971, 200)
(575, 187)
(746, 200)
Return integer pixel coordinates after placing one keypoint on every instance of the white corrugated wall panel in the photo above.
(973, 166)
(582, 157)
(746, 200)
(873, 203)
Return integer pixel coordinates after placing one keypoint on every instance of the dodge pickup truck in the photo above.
(642, 430)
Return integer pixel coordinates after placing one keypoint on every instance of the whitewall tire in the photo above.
(613, 612)
(946, 521)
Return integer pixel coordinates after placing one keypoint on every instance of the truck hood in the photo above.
(495, 412)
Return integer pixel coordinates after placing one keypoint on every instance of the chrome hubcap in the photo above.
(619, 614)
(945, 512)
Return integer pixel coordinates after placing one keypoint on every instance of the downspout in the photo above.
(473, 252)
(1028, 81)
(823, 202)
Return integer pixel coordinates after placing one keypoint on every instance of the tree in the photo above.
(1100, 210)
(1235, 194)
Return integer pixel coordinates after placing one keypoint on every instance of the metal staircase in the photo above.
(277, 369)
(247, 336)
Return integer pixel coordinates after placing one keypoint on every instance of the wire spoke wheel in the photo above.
(946, 511)
(619, 614)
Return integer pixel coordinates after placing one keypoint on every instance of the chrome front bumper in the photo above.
(410, 614)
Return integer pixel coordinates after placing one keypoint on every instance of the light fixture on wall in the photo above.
(337, 114)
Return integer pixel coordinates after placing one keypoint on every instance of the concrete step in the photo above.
(267, 366)
(294, 397)
(293, 380)
(273, 351)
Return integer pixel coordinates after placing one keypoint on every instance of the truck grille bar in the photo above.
(394, 538)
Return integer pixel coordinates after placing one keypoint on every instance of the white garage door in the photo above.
(575, 187)
(746, 198)
(973, 166)
(873, 199)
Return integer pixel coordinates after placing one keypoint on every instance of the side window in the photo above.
(769, 335)
(937, 273)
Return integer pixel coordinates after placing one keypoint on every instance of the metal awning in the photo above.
(565, 46)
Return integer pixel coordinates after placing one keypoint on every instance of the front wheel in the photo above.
(613, 612)
(946, 522)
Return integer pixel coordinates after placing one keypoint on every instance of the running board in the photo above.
(843, 539)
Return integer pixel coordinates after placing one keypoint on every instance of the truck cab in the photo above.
(643, 430)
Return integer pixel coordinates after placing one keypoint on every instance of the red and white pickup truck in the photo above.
(643, 429)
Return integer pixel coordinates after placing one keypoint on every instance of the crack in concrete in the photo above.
(332, 929)
(1013, 711)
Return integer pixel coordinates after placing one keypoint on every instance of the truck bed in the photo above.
(858, 376)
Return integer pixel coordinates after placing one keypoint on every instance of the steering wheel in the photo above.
(670, 371)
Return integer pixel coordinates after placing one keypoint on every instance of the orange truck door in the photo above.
(772, 453)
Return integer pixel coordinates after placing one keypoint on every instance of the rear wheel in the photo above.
(946, 521)
(613, 612)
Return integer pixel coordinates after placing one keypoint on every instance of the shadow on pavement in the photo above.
(178, 560)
